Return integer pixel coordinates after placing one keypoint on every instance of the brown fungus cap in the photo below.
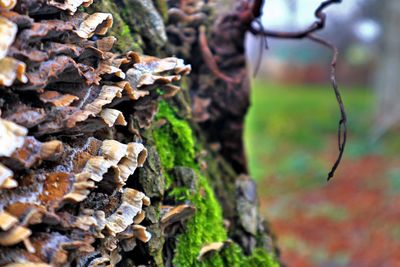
(61, 81)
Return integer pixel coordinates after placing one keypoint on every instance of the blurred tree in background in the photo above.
(387, 83)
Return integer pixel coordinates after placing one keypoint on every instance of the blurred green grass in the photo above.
(290, 136)
(288, 126)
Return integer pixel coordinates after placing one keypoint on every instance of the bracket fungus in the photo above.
(79, 153)
(132, 201)
(70, 5)
(176, 214)
(65, 97)
(7, 4)
(113, 117)
(97, 23)
(12, 137)
(6, 178)
(10, 68)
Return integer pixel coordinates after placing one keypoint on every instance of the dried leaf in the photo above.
(212, 247)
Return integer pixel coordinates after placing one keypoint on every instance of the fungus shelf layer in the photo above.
(68, 152)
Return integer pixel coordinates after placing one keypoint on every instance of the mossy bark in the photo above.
(182, 167)
(177, 146)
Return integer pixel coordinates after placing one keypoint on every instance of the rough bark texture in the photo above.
(112, 157)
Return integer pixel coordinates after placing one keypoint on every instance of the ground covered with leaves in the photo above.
(353, 219)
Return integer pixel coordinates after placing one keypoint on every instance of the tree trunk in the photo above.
(387, 85)
(112, 157)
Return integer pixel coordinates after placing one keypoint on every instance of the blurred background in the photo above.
(353, 220)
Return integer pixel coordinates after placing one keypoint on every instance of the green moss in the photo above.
(176, 147)
(120, 29)
(206, 226)
(261, 258)
(234, 257)
(125, 33)
(174, 140)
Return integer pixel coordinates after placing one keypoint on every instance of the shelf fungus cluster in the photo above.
(71, 110)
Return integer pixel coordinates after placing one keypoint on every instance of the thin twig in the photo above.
(264, 45)
(308, 33)
(342, 129)
(317, 25)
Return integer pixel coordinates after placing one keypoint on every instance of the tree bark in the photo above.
(110, 156)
